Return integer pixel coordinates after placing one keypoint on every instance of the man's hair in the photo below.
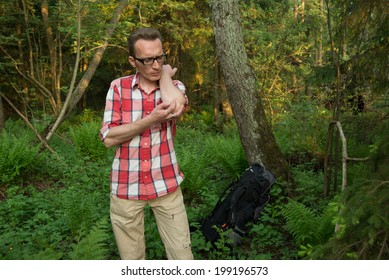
(144, 33)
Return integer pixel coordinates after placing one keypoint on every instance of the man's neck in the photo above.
(146, 85)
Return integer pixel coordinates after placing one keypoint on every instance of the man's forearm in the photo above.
(123, 133)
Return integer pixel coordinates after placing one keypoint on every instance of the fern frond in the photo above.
(228, 152)
(16, 155)
(302, 222)
(307, 226)
(327, 222)
(86, 139)
(78, 210)
(94, 246)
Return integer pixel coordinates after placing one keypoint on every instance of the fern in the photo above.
(211, 154)
(228, 153)
(194, 165)
(94, 246)
(301, 222)
(16, 156)
(305, 225)
(210, 162)
(86, 139)
(78, 210)
(47, 254)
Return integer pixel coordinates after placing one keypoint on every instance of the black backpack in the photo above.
(245, 199)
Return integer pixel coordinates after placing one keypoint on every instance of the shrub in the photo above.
(86, 138)
(17, 154)
(363, 225)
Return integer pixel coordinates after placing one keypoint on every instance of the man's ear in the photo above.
(132, 61)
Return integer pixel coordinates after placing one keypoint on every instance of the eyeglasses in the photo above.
(150, 60)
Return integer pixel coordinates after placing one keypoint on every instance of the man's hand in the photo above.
(166, 68)
(166, 112)
(162, 113)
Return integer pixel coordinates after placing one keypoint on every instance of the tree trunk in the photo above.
(21, 58)
(254, 129)
(302, 10)
(30, 51)
(83, 84)
(319, 51)
(2, 120)
(74, 97)
(61, 115)
(55, 97)
(216, 93)
(336, 114)
(296, 10)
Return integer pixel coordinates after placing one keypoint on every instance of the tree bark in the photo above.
(254, 129)
(336, 114)
(2, 120)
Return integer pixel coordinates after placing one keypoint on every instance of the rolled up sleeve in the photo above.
(112, 112)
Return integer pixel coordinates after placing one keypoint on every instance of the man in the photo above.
(140, 119)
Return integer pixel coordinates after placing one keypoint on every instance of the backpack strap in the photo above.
(222, 195)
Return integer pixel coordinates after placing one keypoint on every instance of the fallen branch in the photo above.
(29, 124)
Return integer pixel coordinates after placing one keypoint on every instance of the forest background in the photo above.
(321, 72)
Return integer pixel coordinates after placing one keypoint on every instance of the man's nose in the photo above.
(156, 64)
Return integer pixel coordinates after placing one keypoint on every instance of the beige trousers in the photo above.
(127, 218)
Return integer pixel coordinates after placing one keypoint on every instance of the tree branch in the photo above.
(28, 123)
(76, 95)
(72, 83)
(29, 78)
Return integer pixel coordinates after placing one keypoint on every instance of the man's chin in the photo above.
(155, 77)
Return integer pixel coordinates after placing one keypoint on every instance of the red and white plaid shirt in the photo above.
(146, 166)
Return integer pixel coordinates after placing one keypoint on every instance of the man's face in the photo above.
(148, 49)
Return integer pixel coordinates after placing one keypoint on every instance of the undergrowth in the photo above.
(18, 154)
(57, 206)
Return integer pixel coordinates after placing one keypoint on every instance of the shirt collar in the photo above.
(136, 82)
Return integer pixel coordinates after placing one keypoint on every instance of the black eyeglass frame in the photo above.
(150, 60)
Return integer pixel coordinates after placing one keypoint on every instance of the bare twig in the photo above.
(345, 156)
(384, 245)
(28, 123)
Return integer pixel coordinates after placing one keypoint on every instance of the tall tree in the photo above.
(54, 57)
(254, 129)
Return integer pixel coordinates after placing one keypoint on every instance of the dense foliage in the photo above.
(58, 206)
(309, 57)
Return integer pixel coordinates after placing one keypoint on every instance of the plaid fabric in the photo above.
(146, 166)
